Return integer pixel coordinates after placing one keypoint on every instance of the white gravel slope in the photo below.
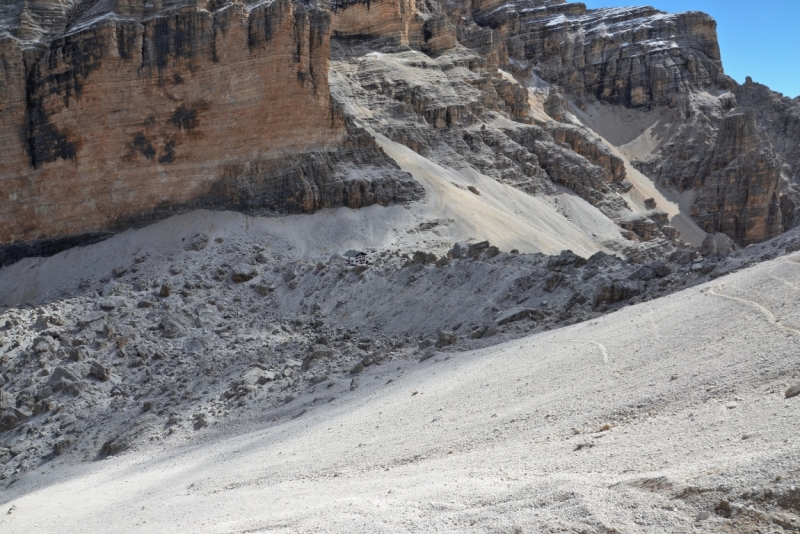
(507, 217)
(691, 385)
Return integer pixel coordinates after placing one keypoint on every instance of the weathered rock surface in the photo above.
(630, 56)
(79, 377)
(119, 114)
(741, 162)
(115, 115)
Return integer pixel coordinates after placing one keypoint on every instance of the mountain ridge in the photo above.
(116, 110)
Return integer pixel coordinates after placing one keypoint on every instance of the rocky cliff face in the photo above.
(116, 113)
(629, 56)
(732, 148)
(734, 171)
(135, 112)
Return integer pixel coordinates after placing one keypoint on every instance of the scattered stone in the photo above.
(792, 391)
(319, 379)
(42, 344)
(723, 509)
(108, 305)
(491, 252)
(60, 446)
(165, 291)
(61, 373)
(199, 242)
(517, 314)
(87, 320)
(702, 516)
(717, 244)
(263, 288)
(173, 326)
(476, 249)
(257, 376)
(200, 421)
(289, 275)
(786, 520)
(427, 355)
(243, 273)
(551, 281)
(422, 258)
(480, 332)
(682, 256)
(445, 338)
(99, 371)
(458, 251)
(565, 259)
(115, 446)
(353, 383)
(473, 189)
(611, 291)
(660, 268)
(289, 362)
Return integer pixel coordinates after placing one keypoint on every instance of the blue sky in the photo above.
(758, 38)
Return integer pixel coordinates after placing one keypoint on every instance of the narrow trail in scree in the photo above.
(655, 326)
(584, 342)
(779, 279)
(769, 315)
(602, 348)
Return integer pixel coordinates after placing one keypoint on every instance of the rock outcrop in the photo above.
(136, 112)
(734, 148)
(115, 114)
(629, 56)
(733, 169)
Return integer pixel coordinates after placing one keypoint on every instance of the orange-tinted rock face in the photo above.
(370, 19)
(13, 156)
(126, 117)
(392, 23)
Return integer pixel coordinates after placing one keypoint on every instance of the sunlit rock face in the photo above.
(138, 110)
(118, 113)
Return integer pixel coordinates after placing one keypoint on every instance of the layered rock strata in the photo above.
(136, 112)
(630, 56)
(121, 112)
(735, 171)
(732, 147)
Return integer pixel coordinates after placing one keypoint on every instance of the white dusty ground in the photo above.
(644, 420)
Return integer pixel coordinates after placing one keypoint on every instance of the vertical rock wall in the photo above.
(127, 116)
